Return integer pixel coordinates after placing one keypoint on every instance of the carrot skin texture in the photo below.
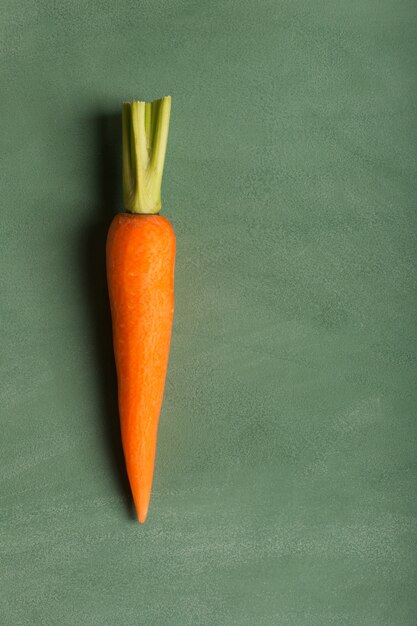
(140, 257)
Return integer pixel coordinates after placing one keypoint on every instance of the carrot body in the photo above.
(140, 273)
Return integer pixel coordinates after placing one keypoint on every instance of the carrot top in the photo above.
(145, 135)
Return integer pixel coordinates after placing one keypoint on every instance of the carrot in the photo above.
(140, 256)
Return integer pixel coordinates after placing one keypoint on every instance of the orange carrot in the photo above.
(140, 274)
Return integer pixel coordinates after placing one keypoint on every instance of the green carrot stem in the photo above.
(145, 134)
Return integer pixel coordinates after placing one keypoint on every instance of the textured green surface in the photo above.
(285, 486)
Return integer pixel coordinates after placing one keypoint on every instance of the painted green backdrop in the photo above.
(285, 485)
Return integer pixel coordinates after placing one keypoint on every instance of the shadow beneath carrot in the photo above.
(108, 192)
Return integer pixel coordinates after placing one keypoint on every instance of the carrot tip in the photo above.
(142, 510)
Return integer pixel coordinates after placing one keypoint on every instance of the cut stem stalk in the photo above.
(145, 128)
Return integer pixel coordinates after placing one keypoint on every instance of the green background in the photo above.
(285, 484)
